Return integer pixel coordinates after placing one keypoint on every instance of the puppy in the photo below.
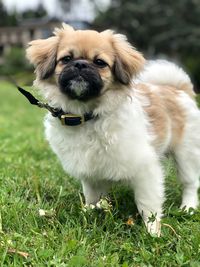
(121, 115)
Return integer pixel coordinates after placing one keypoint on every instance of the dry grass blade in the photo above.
(169, 226)
(21, 253)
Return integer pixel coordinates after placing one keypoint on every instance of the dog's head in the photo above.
(84, 64)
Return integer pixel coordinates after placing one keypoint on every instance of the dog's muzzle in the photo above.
(80, 80)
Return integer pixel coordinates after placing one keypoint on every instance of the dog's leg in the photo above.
(188, 172)
(93, 191)
(187, 156)
(149, 195)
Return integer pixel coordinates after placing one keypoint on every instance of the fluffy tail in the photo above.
(162, 72)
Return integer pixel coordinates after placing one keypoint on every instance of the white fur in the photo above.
(162, 72)
(79, 87)
(117, 146)
(188, 154)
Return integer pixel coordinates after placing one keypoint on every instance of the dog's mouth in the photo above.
(77, 88)
(80, 84)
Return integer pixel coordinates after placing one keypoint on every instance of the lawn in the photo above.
(42, 219)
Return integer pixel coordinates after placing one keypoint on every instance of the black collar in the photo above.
(66, 118)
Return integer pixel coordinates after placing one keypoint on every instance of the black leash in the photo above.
(66, 118)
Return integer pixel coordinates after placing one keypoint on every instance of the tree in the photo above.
(3, 14)
(158, 27)
(39, 12)
(168, 26)
(7, 19)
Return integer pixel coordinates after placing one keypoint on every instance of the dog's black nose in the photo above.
(81, 64)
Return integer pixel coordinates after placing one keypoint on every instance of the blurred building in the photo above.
(78, 13)
(31, 29)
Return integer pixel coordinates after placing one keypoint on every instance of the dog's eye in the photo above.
(100, 63)
(66, 59)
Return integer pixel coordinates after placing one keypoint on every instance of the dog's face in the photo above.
(84, 64)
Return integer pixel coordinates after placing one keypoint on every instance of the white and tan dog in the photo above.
(140, 111)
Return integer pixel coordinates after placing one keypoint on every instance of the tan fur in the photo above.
(129, 118)
(88, 44)
(187, 88)
(166, 116)
(42, 54)
(40, 49)
(127, 59)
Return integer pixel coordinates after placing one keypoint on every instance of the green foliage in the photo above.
(167, 26)
(31, 179)
(7, 19)
(12, 18)
(198, 100)
(158, 27)
(38, 12)
(14, 62)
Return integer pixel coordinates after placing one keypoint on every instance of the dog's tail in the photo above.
(162, 72)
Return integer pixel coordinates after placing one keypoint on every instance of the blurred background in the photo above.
(160, 29)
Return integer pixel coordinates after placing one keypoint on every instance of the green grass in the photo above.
(31, 178)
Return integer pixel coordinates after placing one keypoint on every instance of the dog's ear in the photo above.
(128, 61)
(42, 54)
(66, 28)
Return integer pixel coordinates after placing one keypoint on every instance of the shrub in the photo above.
(14, 62)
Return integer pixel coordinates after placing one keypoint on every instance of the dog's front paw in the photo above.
(102, 204)
(88, 207)
(153, 227)
(189, 207)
